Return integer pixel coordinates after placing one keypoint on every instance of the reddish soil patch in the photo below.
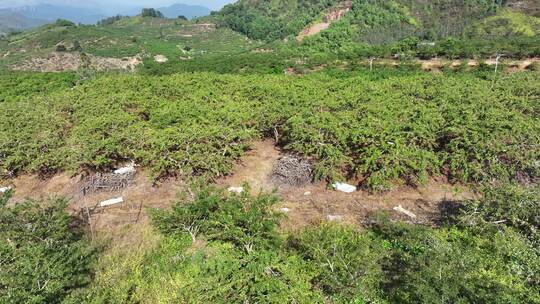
(254, 168)
(73, 61)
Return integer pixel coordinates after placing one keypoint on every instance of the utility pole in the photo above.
(497, 62)
(371, 63)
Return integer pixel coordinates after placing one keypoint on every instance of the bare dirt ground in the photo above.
(437, 64)
(304, 205)
(434, 65)
(72, 61)
(140, 195)
(315, 202)
(332, 15)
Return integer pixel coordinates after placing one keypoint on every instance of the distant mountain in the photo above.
(175, 10)
(11, 21)
(190, 11)
(52, 12)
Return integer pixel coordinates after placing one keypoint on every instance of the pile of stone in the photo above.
(106, 182)
(291, 170)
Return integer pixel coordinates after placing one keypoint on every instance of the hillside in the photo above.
(349, 28)
(278, 19)
(127, 38)
(411, 232)
(300, 151)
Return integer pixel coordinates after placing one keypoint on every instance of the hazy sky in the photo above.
(108, 4)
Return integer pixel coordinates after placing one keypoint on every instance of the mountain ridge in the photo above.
(29, 16)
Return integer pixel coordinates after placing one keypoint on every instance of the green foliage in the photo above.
(150, 12)
(379, 127)
(512, 206)
(374, 21)
(120, 37)
(356, 133)
(270, 20)
(346, 262)
(458, 266)
(507, 23)
(330, 263)
(42, 259)
(63, 22)
(236, 258)
(247, 223)
(19, 86)
(110, 20)
(245, 63)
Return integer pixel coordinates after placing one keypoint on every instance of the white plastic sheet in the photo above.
(125, 170)
(113, 201)
(236, 189)
(405, 211)
(344, 187)
(334, 218)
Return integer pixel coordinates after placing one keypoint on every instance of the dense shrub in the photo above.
(331, 263)
(246, 222)
(18, 86)
(511, 206)
(346, 262)
(453, 265)
(151, 12)
(43, 260)
(63, 22)
(379, 127)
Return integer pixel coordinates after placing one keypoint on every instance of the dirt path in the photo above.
(254, 168)
(434, 65)
(139, 195)
(304, 205)
(332, 15)
(315, 203)
(438, 64)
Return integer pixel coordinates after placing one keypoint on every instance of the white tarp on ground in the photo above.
(334, 218)
(160, 58)
(113, 201)
(125, 170)
(344, 187)
(5, 189)
(236, 189)
(405, 211)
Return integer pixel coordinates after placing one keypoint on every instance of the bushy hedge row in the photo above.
(17, 86)
(203, 257)
(397, 127)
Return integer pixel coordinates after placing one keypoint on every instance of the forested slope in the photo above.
(278, 19)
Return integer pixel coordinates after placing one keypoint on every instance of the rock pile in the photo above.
(106, 182)
(292, 171)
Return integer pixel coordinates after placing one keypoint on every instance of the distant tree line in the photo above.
(111, 20)
(151, 12)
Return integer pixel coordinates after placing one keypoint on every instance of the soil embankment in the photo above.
(332, 15)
